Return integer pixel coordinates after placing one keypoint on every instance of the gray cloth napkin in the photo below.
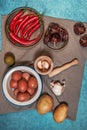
(73, 75)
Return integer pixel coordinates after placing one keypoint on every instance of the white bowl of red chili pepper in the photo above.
(22, 85)
(24, 27)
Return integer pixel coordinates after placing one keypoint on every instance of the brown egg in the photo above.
(16, 75)
(22, 85)
(23, 96)
(32, 82)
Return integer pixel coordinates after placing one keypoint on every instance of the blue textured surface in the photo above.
(31, 120)
(0, 33)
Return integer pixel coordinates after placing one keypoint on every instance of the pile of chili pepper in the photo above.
(22, 26)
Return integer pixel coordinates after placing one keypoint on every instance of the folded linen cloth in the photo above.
(73, 76)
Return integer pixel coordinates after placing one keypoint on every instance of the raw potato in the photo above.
(44, 104)
(60, 113)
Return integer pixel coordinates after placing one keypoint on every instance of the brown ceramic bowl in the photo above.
(43, 65)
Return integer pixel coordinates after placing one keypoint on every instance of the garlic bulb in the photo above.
(57, 87)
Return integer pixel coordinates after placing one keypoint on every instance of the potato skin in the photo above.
(60, 113)
(44, 104)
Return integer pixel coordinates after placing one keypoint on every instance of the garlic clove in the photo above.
(39, 64)
(45, 64)
(57, 89)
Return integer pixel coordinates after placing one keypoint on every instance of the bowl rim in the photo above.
(4, 86)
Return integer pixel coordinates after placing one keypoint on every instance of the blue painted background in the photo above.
(30, 119)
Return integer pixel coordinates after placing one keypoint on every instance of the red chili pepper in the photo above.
(27, 23)
(15, 18)
(33, 30)
(21, 24)
(17, 23)
(31, 26)
(22, 41)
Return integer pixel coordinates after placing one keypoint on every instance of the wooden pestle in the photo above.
(57, 70)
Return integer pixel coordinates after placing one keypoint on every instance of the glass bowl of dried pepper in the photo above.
(56, 37)
(24, 27)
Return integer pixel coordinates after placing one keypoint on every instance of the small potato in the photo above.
(31, 91)
(16, 91)
(44, 104)
(32, 82)
(16, 75)
(22, 85)
(23, 96)
(60, 113)
(26, 75)
(13, 83)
